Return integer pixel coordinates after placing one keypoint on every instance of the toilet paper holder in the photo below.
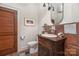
(22, 37)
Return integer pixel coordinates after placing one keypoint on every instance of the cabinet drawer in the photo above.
(45, 42)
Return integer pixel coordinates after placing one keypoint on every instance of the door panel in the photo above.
(6, 21)
(6, 39)
(8, 31)
(5, 13)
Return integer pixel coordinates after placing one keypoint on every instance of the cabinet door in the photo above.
(43, 51)
(44, 47)
(8, 31)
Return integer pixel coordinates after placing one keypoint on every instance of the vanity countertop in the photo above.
(52, 38)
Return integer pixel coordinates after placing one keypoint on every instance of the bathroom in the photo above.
(31, 20)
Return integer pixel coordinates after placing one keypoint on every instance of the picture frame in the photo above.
(29, 22)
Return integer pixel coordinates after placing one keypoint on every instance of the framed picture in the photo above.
(29, 21)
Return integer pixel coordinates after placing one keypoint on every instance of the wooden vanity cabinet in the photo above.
(44, 47)
(47, 47)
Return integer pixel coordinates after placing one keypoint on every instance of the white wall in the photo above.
(71, 13)
(70, 28)
(45, 19)
(30, 32)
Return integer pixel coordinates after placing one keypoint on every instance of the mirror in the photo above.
(57, 13)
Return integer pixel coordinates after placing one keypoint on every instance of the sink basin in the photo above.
(49, 35)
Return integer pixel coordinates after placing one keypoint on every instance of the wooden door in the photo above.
(8, 31)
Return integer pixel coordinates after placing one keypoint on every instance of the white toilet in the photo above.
(33, 47)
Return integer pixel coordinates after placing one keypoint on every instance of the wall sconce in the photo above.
(51, 6)
(44, 5)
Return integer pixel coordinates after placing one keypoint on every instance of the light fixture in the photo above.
(44, 5)
(50, 6)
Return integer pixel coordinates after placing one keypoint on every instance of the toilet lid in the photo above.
(32, 43)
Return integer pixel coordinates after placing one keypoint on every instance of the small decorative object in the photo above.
(61, 34)
(29, 21)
